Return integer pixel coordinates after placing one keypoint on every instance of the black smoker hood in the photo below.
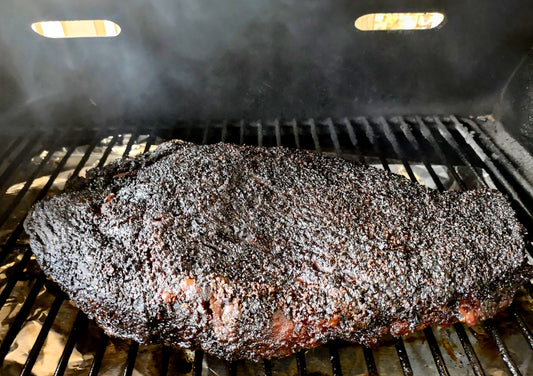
(186, 59)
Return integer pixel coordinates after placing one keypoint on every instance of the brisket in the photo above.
(250, 252)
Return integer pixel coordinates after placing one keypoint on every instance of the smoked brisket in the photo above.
(250, 252)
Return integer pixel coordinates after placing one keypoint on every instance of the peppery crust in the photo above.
(250, 252)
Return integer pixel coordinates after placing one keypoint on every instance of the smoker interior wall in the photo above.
(515, 108)
(200, 59)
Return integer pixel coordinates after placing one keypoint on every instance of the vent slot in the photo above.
(399, 21)
(76, 29)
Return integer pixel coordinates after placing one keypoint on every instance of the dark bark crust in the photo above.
(249, 252)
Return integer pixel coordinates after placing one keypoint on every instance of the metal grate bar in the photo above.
(300, 363)
(529, 287)
(435, 352)
(34, 353)
(134, 138)
(259, 126)
(232, 368)
(445, 133)
(414, 142)
(12, 281)
(426, 133)
(165, 361)
(107, 151)
(11, 147)
(335, 359)
(188, 131)
(369, 132)
(97, 362)
(15, 326)
(224, 133)
(130, 361)
(334, 136)
(370, 362)
(197, 365)
(296, 133)
(241, 132)
(314, 135)
(389, 135)
(353, 139)
(469, 350)
(267, 367)
(18, 230)
(79, 324)
(54, 175)
(509, 362)
(148, 144)
(17, 160)
(404, 358)
(277, 132)
(85, 157)
(526, 332)
(5, 215)
(129, 145)
(496, 153)
(490, 165)
(206, 133)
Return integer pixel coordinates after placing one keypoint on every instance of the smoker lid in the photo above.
(250, 59)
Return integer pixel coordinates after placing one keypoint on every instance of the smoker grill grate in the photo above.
(457, 146)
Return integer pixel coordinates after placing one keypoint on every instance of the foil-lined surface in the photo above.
(149, 358)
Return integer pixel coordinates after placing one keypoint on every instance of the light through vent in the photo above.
(76, 29)
(399, 21)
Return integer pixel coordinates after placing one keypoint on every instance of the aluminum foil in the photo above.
(150, 358)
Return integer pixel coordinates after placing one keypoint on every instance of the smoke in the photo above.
(198, 59)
